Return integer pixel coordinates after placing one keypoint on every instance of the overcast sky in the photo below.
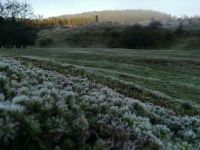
(60, 7)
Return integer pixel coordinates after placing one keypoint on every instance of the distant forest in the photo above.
(119, 16)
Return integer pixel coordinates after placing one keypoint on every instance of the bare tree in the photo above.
(2, 9)
(16, 9)
(26, 11)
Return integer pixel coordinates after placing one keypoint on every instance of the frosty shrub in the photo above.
(42, 109)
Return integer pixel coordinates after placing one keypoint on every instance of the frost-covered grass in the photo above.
(42, 109)
(172, 72)
(110, 79)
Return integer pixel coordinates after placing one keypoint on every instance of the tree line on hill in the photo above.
(16, 29)
(64, 22)
(153, 36)
(122, 16)
(140, 37)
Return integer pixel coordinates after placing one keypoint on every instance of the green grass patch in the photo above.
(172, 73)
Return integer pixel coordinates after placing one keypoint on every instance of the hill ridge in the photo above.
(121, 16)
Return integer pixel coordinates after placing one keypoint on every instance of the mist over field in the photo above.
(99, 75)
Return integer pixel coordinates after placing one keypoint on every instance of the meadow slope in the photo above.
(107, 35)
(168, 78)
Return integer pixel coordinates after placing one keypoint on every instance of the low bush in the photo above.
(50, 111)
(139, 37)
(45, 42)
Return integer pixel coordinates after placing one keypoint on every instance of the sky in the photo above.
(60, 7)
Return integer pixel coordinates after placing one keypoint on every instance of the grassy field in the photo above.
(170, 75)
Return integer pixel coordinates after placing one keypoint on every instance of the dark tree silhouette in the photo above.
(96, 18)
(15, 28)
(179, 30)
(155, 24)
(139, 37)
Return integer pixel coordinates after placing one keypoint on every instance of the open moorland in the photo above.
(109, 98)
(165, 74)
(100, 80)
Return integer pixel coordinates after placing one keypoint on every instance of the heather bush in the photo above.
(42, 109)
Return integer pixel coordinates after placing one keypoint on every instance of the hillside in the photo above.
(91, 35)
(124, 16)
(119, 16)
(105, 35)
